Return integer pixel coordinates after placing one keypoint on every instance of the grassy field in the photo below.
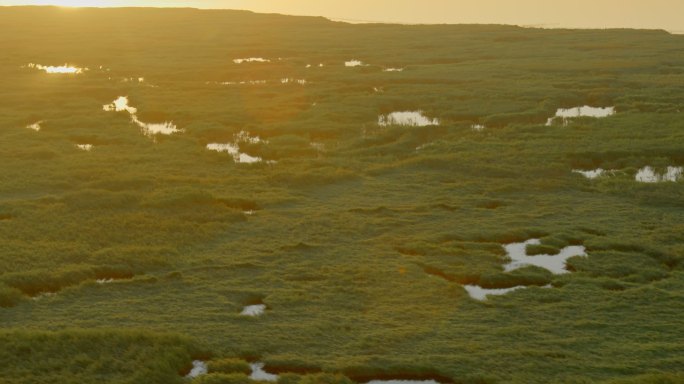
(358, 237)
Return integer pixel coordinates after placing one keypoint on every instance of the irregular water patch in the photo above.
(35, 126)
(293, 81)
(555, 264)
(354, 63)
(152, 129)
(111, 280)
(585, 111)
(253, 310)
(43, 295)
(61, 69)
(251, 60)
(593, 174)
(199, 368)
(148, 129)
(477, 127)
(649, 175)
(244, 82)
(479, 293)
(133, 80)
(233, 148)
(120, 104)
(85, 147)
(407, 118)
(259, 374)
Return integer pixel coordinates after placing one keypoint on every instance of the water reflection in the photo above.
(354, 63)
(62, 69)
(553, 263)
(85, 147)
(251, 60)
(233, 148)
(293, 81)
(258, 373)
(479, 293)
(585, 111)
(120, 104)
(407, 118)
(148, 129)
(199, 368)
(253, 310)
(649, 175)
(35, 126)
(592, 174)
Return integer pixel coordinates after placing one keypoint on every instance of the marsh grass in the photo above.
(359, 251)
(114, 356)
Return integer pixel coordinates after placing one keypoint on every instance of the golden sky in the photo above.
(662, 14)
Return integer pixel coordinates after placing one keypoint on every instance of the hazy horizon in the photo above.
(657, 14)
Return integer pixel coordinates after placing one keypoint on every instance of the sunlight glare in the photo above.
(76, 3)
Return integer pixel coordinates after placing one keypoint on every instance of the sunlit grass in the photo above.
(355, 237)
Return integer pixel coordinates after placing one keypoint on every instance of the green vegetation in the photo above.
(357, 237)
(109, 356)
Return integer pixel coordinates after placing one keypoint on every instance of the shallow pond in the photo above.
(649, 175)
(151, 129)
(251, 60)
(85, 147)
(553, 263)
(253, 310)
(407, 118)
(119, 105)
(591, 174)
(233, 149)
(148, 129)
(354, 63)
(35, 126)
(479, 293)
(199, 368)
(585, 111)
(61, 69)
(259, 374)
(248, 82)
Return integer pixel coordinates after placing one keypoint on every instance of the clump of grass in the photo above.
(541, 249)
(527, 276)
(322, 378)
(87, 357)
(292, 366)
(39, 281)
(223, 378)
(9, 296)
(229, 365)
(651, 378)
(35, 282)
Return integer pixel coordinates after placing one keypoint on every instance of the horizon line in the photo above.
(545, 26)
